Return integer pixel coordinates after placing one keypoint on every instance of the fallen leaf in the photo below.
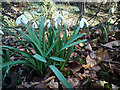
(93, 71)
(53, 84)
(81, 44)
(114, 87)
(112, 44)
(99, 51)
(75, 67)
(88, 47)
(93, 55)
(73, 81)
(98, 84)
(25, 84)
(102, 56)
(41, 85)
(48, 79)
(90, 62)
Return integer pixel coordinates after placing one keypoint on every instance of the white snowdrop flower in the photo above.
(1, 32)
(35, 24)
(59, 16)
(58, 19)
(21, 19)
(47, 23)
(56, 24)
(83, 22)
(112, 10)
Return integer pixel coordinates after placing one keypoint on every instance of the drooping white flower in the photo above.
(56, 24)
(47, 23)
(112, 10)
(58, 20)
(83, 22)
(21, 19)
(1, 32)
(35, 24)
(59, 17)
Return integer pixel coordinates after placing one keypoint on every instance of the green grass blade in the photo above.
(108, 26)
(32, 35)
(13, 63)
(73, 44)
(60, 77)
(44, 42)
(7, 56)
(57, 59)
(50, 48)
(40, 58)
(74, 38)
(69, 52)
(77, 30)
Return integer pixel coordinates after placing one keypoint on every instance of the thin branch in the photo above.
(96, 12)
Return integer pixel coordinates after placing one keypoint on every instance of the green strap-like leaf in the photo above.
(50, 48)
(74, 38)
(57, 59)
(77, 30)
(73, 44)
(13, 63)
(40, 58)
(60, 77)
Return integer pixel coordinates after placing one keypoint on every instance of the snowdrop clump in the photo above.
(58, 20)
(21, 19)
(83, 22)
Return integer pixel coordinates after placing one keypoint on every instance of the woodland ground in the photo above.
(92, 65)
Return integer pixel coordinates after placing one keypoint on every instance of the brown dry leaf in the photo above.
(81, 44)
(98, 84)
(93, 71)
(94, 45)
(99, 51)
(34, 83)
(81, 76)
(73, 81)
(25, 84)
(113, 43)
(95, 68)
(102, 56)
(115, 87)
(93, 55)
(73, 54)
(90, 62)
(48, 79)
(53, 84)
(78, 48)
(41, 85)
(75, 67)
(88, 47)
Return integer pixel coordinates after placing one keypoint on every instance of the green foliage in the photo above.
(60, 77)
(50, 49)
(104, 29)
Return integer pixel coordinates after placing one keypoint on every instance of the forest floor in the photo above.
(92, 65)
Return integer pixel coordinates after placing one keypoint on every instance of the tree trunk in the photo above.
(81, 7)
